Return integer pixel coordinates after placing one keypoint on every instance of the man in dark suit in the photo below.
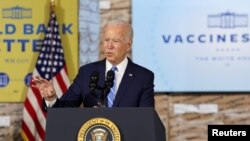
(134, 84)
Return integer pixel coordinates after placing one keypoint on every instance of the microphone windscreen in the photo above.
(110, 75)
(94, 76)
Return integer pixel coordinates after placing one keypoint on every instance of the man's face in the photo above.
(115, 44)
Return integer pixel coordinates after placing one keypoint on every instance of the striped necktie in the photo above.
(111, 95)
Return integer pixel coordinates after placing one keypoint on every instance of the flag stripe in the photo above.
(65, 77)
(60, 82)
(29, 122)
(26, 132)
(40, 114)
(57, 87)
(33, 115)
(33, 135)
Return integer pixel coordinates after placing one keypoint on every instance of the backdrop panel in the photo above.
(194, 46)
(22, 28)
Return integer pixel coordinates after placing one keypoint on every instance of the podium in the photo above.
(134, 124)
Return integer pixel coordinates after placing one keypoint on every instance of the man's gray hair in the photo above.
(122, 22)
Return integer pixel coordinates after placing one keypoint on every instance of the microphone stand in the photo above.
(106, 89)
(102, 97)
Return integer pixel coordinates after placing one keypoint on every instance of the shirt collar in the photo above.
(120, 67)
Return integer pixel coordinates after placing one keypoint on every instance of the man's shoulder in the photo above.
(140, 69)
(92, 65)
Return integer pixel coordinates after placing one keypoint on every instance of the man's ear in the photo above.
(129, 46)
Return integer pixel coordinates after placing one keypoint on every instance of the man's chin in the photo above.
(111, 60)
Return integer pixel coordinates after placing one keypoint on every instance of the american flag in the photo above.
(51, 66)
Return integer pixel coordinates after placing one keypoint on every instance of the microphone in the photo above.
(109, 79)
(93, 81)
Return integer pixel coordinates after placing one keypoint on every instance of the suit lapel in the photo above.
(127, 79)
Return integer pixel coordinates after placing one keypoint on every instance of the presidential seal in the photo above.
(99, 129)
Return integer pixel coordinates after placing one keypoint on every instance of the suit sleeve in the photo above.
(147, 96)
(73, 96)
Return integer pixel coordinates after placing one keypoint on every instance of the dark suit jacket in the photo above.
(135, 90)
